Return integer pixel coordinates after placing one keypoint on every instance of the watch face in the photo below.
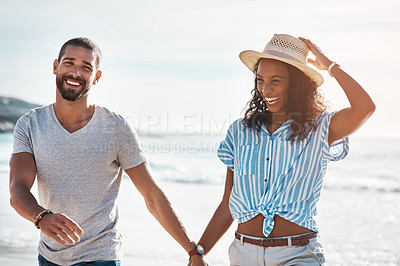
(200, 249)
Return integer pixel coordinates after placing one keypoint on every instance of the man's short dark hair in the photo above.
(85, 43)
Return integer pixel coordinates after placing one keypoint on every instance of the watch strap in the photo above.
(197, 250)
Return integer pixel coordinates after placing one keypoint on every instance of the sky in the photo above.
(174, 66)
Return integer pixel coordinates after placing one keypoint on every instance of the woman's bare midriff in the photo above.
(282, 227)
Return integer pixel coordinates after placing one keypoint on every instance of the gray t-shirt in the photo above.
(79, 174)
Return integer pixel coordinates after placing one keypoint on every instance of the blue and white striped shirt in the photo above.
(273, 175)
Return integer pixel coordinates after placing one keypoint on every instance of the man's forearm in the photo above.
(22, 200)
(22, 178)
(26, 205)
(160, 207)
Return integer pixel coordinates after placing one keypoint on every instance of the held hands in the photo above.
(61, 228)
(321, 61)
(197, 261)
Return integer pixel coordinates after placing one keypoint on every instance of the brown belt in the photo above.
(301, 240)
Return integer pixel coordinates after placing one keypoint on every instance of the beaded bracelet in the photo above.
(40, 217)
(330, 68)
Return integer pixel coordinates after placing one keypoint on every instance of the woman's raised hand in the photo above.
(321, 61)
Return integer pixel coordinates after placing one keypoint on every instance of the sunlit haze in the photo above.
(174, 66)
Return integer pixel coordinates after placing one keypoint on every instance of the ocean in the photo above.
(365, 188)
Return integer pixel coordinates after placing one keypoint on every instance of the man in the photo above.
(78, 152)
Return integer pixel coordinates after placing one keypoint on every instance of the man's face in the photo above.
(75, 72)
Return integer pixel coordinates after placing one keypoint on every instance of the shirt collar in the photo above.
(285, 128)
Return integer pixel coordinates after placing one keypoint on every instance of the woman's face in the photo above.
(273, 84)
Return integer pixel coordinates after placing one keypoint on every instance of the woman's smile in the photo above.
(271, 100)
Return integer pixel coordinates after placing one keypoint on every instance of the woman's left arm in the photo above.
(347, 120)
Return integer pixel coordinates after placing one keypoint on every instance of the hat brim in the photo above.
(250, 58)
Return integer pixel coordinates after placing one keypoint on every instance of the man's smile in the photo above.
(73, 83)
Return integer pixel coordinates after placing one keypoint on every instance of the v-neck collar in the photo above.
(77, 132)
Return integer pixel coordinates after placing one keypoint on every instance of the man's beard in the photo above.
(70, 94)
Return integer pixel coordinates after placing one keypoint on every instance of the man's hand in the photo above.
(61, 228)
(197, 261)
(22, 176)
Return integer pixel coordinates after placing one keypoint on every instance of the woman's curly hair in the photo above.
(304, 104)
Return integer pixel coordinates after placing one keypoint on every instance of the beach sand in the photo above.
(356, 227)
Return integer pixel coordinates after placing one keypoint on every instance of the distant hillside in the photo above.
(10, 110)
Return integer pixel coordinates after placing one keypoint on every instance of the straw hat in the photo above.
(287, 49)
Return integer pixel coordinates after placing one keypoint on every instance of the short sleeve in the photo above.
(340, 148)
(130, 154)
(22, 138)
(226, 149)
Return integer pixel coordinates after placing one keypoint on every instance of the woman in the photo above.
(276, 156)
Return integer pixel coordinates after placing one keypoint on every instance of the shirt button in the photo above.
(265, 180)
(267, 159)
